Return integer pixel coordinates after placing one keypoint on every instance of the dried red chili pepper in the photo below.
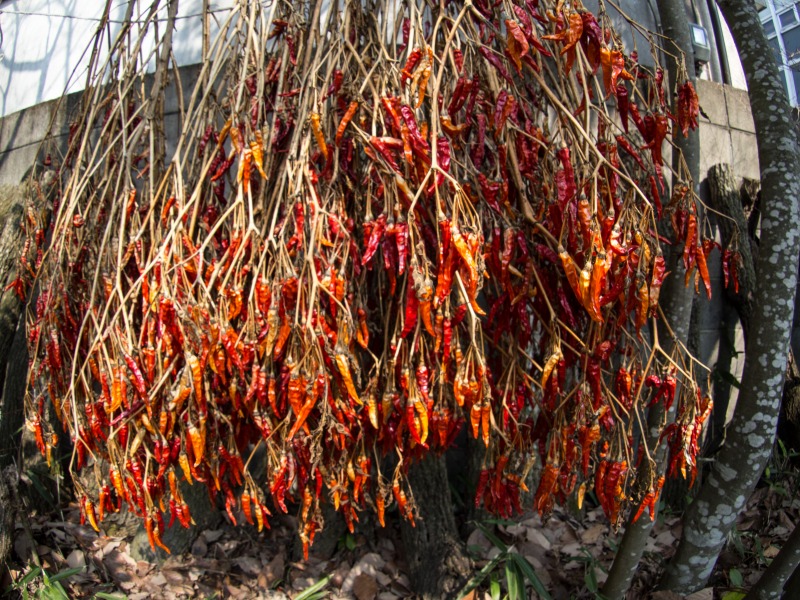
(496, 62)
(411, 65)
(373, 233)
(613, 63)
(623, 104)
(411, 310)
(348, 116)
(406, 29)
(626, 145)
(688, 108)
(570, 35)
(478, 149)
(659, 273)
(442, 160)
(336, 84)
(660, 130)
(460, 94)
(690, 242)
(571, 271)
(453, 131)
(543, 499)
(427, 69)
(702, 269)
(419, 143)
(382, 146)
(401, 240)
(517, 44)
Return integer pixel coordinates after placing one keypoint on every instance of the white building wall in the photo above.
(735, 70)
(45, 43)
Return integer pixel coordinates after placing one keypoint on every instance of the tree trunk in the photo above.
(792, 587)
(11, 242)
(676, 302)
(789, 418)
(772, 581)
(435, 554)
(726, 198)
(12, 386)
(741, 460)
(7, 512)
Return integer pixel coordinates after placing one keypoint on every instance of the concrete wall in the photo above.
(21, 136)
(22, 133)
(727, 135)
(46, 43)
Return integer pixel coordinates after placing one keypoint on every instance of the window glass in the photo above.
(791, 43)
(769, 28)
(795, 73)
(777, 50)
(788, 18)
(784, 74)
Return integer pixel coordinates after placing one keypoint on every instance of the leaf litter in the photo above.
(233, 562)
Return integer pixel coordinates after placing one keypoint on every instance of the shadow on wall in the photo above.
(47, 44)
(640, 11)
(40, 52)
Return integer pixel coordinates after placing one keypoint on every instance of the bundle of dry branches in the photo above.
(381, 220)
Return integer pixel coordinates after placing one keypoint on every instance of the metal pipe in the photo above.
(716, 27)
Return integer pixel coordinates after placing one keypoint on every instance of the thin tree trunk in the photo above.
(792, 587)
(435, 554)
(7, 513)
(676, 302)
(726, 199)
(11, 242)
(741, 460)
(772, 581)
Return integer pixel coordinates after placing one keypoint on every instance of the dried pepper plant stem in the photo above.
(382, 222)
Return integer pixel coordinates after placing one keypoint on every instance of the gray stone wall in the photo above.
(22, 132)
(727, 135)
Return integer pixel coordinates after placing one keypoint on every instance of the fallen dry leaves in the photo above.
(235, 562)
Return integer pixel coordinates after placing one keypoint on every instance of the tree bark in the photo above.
(676, 302)
(741, 460)
(7, 512)
(726, 198)
(792, 587)
(772, 581)
(437, 562)
(789, 417)
(730, 200)
(11, 241)
(11, 406)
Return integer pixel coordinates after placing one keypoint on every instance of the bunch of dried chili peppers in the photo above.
(367, 240)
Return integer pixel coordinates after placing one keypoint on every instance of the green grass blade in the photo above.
(478, 578)
(316, 591)
(514, 581)
(530, 575)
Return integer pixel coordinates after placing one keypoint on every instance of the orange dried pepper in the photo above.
(316, 129)
(343, 363)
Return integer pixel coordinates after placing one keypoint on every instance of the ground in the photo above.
(570, 556)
